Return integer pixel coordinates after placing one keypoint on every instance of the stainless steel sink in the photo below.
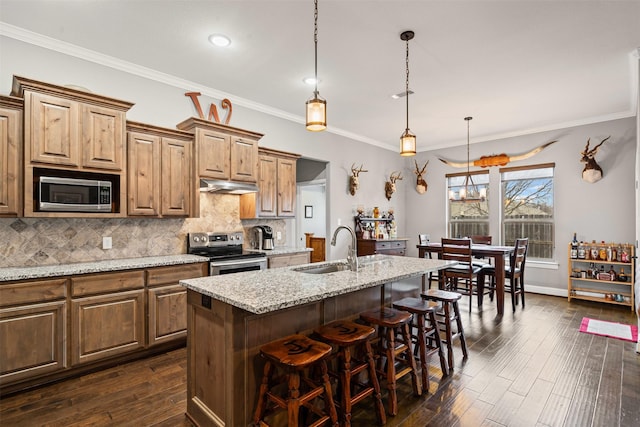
(322, 269)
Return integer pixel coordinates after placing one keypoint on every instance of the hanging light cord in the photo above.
(407, 84)
(315, 41)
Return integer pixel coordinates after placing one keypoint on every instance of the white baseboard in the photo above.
(544, 290)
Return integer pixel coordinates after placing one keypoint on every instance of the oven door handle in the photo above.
(238, 262)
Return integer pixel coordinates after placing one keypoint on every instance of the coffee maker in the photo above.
(262, 237)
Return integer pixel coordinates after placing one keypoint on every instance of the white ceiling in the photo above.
(515, 66)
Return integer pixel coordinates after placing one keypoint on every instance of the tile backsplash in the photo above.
(49, 241)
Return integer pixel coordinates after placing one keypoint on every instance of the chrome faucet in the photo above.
(352, 256)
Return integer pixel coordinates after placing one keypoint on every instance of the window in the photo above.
(527, 202)
(469, 216)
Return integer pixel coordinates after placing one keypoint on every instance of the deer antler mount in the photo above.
(354, 184)
(421, 184)
(390, 186)
(592, 171)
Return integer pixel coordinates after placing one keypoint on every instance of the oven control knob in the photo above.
(232, 238)
(196, 239)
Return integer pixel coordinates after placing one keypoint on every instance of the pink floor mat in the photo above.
(620, 331)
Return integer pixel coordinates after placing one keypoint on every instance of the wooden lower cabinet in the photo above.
(32, 341)
(167, 301)
(287, 260)
(107, 325)
(385, 247)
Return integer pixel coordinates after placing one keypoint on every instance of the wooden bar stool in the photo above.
(349, 338)
(292, 355)
(392, 323)
(427, 338)
(450, 314)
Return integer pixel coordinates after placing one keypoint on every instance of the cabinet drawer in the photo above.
(173, 274)
(108, 282)
(397, 244)
(383, 245)
(36, 291)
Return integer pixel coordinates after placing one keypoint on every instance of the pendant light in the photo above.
(316, 106)
(407, 139)
(469, 192)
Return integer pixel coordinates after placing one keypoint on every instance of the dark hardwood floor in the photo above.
(531, 368)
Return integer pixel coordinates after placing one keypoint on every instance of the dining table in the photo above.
(498, 253)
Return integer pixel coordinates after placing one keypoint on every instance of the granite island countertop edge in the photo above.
(261, 292)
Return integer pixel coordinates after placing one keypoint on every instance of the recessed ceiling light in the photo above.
(310, 81)
(219, 40)
(401, 94)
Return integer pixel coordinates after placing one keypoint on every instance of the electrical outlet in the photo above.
(106, 242)
(279, 235)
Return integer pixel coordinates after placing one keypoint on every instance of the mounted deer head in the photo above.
(592, 172)
(421, 184)
(390, 186)
(353, 179)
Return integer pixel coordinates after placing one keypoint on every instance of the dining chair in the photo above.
(423, 239)
(463, 273)
(480, 239)
(514, 272)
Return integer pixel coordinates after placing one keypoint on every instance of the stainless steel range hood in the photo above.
(228, 187)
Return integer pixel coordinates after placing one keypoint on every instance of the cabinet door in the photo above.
(103, 132)
(213, 154)
(10, 161)
(54, 132)
(286, 187)
(268, 196)
(106, 325)
(32, 341)
(167, 313)
(244, 160)
(176, 177)
(144, 174)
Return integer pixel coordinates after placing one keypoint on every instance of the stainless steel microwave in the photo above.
(74, 195)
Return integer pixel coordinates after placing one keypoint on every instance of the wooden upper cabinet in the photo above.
(286, 187)
(176, 177)
(268, 185)
(214, 154)
(70, 128)
(144, 174)
(224, 152)
(52, 133)
(277, 187)
(244, 160)
(160, 171)
(10, 156)
(103, 138)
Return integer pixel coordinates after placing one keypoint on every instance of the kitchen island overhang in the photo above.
(229, 317)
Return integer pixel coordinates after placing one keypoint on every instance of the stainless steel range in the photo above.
(225, 253)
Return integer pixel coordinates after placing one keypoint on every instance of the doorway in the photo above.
(311, 203)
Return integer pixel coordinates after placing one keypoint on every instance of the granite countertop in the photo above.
(22, 273)
(280, 250)
(275, 289)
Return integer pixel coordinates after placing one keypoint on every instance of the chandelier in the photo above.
(316, 106)
(469, 191)
(407, 139)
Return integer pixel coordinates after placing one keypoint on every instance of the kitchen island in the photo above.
(230, 316)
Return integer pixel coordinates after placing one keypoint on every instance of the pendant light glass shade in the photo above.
(316, 106)
(407, 139)
(407, 144)
(316, 113)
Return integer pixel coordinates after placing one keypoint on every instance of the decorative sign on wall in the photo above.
(213, 109)
(592, 171)
(497, 159)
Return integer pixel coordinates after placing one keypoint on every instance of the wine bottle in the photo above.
(574, 247)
